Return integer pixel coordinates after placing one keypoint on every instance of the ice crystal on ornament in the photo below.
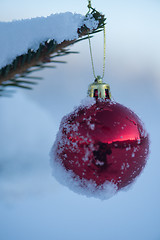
(101, 147)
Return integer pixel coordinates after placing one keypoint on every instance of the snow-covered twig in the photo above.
(28, 43)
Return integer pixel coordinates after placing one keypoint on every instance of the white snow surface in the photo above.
(87, 102)
(81, 186)
(17, 37)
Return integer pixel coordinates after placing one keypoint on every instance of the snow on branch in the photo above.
(26, 43)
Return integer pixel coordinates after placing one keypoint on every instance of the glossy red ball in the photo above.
(102, 142)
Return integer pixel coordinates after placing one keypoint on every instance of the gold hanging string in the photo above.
(90, 47)
(104, 53)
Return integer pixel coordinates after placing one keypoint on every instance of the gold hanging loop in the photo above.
(98, 89)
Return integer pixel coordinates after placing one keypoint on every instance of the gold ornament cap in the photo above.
(99, 89)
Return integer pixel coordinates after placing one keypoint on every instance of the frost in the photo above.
(133, 155)
(88, 102)
(75, 127)
(17, 37)
(136, 149)
(87, 152)
(99, 163)
(139, 141)
(88, 121)
(128, 148)
(125, 166)
(81, 186)
(92, 126)
(146, 150)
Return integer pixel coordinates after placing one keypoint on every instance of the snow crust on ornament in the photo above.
(101, 147)
(86, 102)
(80, 186)
(17, 37)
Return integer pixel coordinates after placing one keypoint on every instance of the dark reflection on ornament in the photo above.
(105, 141)
(100, 156)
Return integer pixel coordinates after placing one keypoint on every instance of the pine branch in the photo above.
(12, 74)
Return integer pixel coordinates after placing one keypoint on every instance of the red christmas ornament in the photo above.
(101, 147)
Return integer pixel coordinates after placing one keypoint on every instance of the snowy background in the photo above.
(32, 204)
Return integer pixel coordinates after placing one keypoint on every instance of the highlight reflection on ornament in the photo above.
(102, 147)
